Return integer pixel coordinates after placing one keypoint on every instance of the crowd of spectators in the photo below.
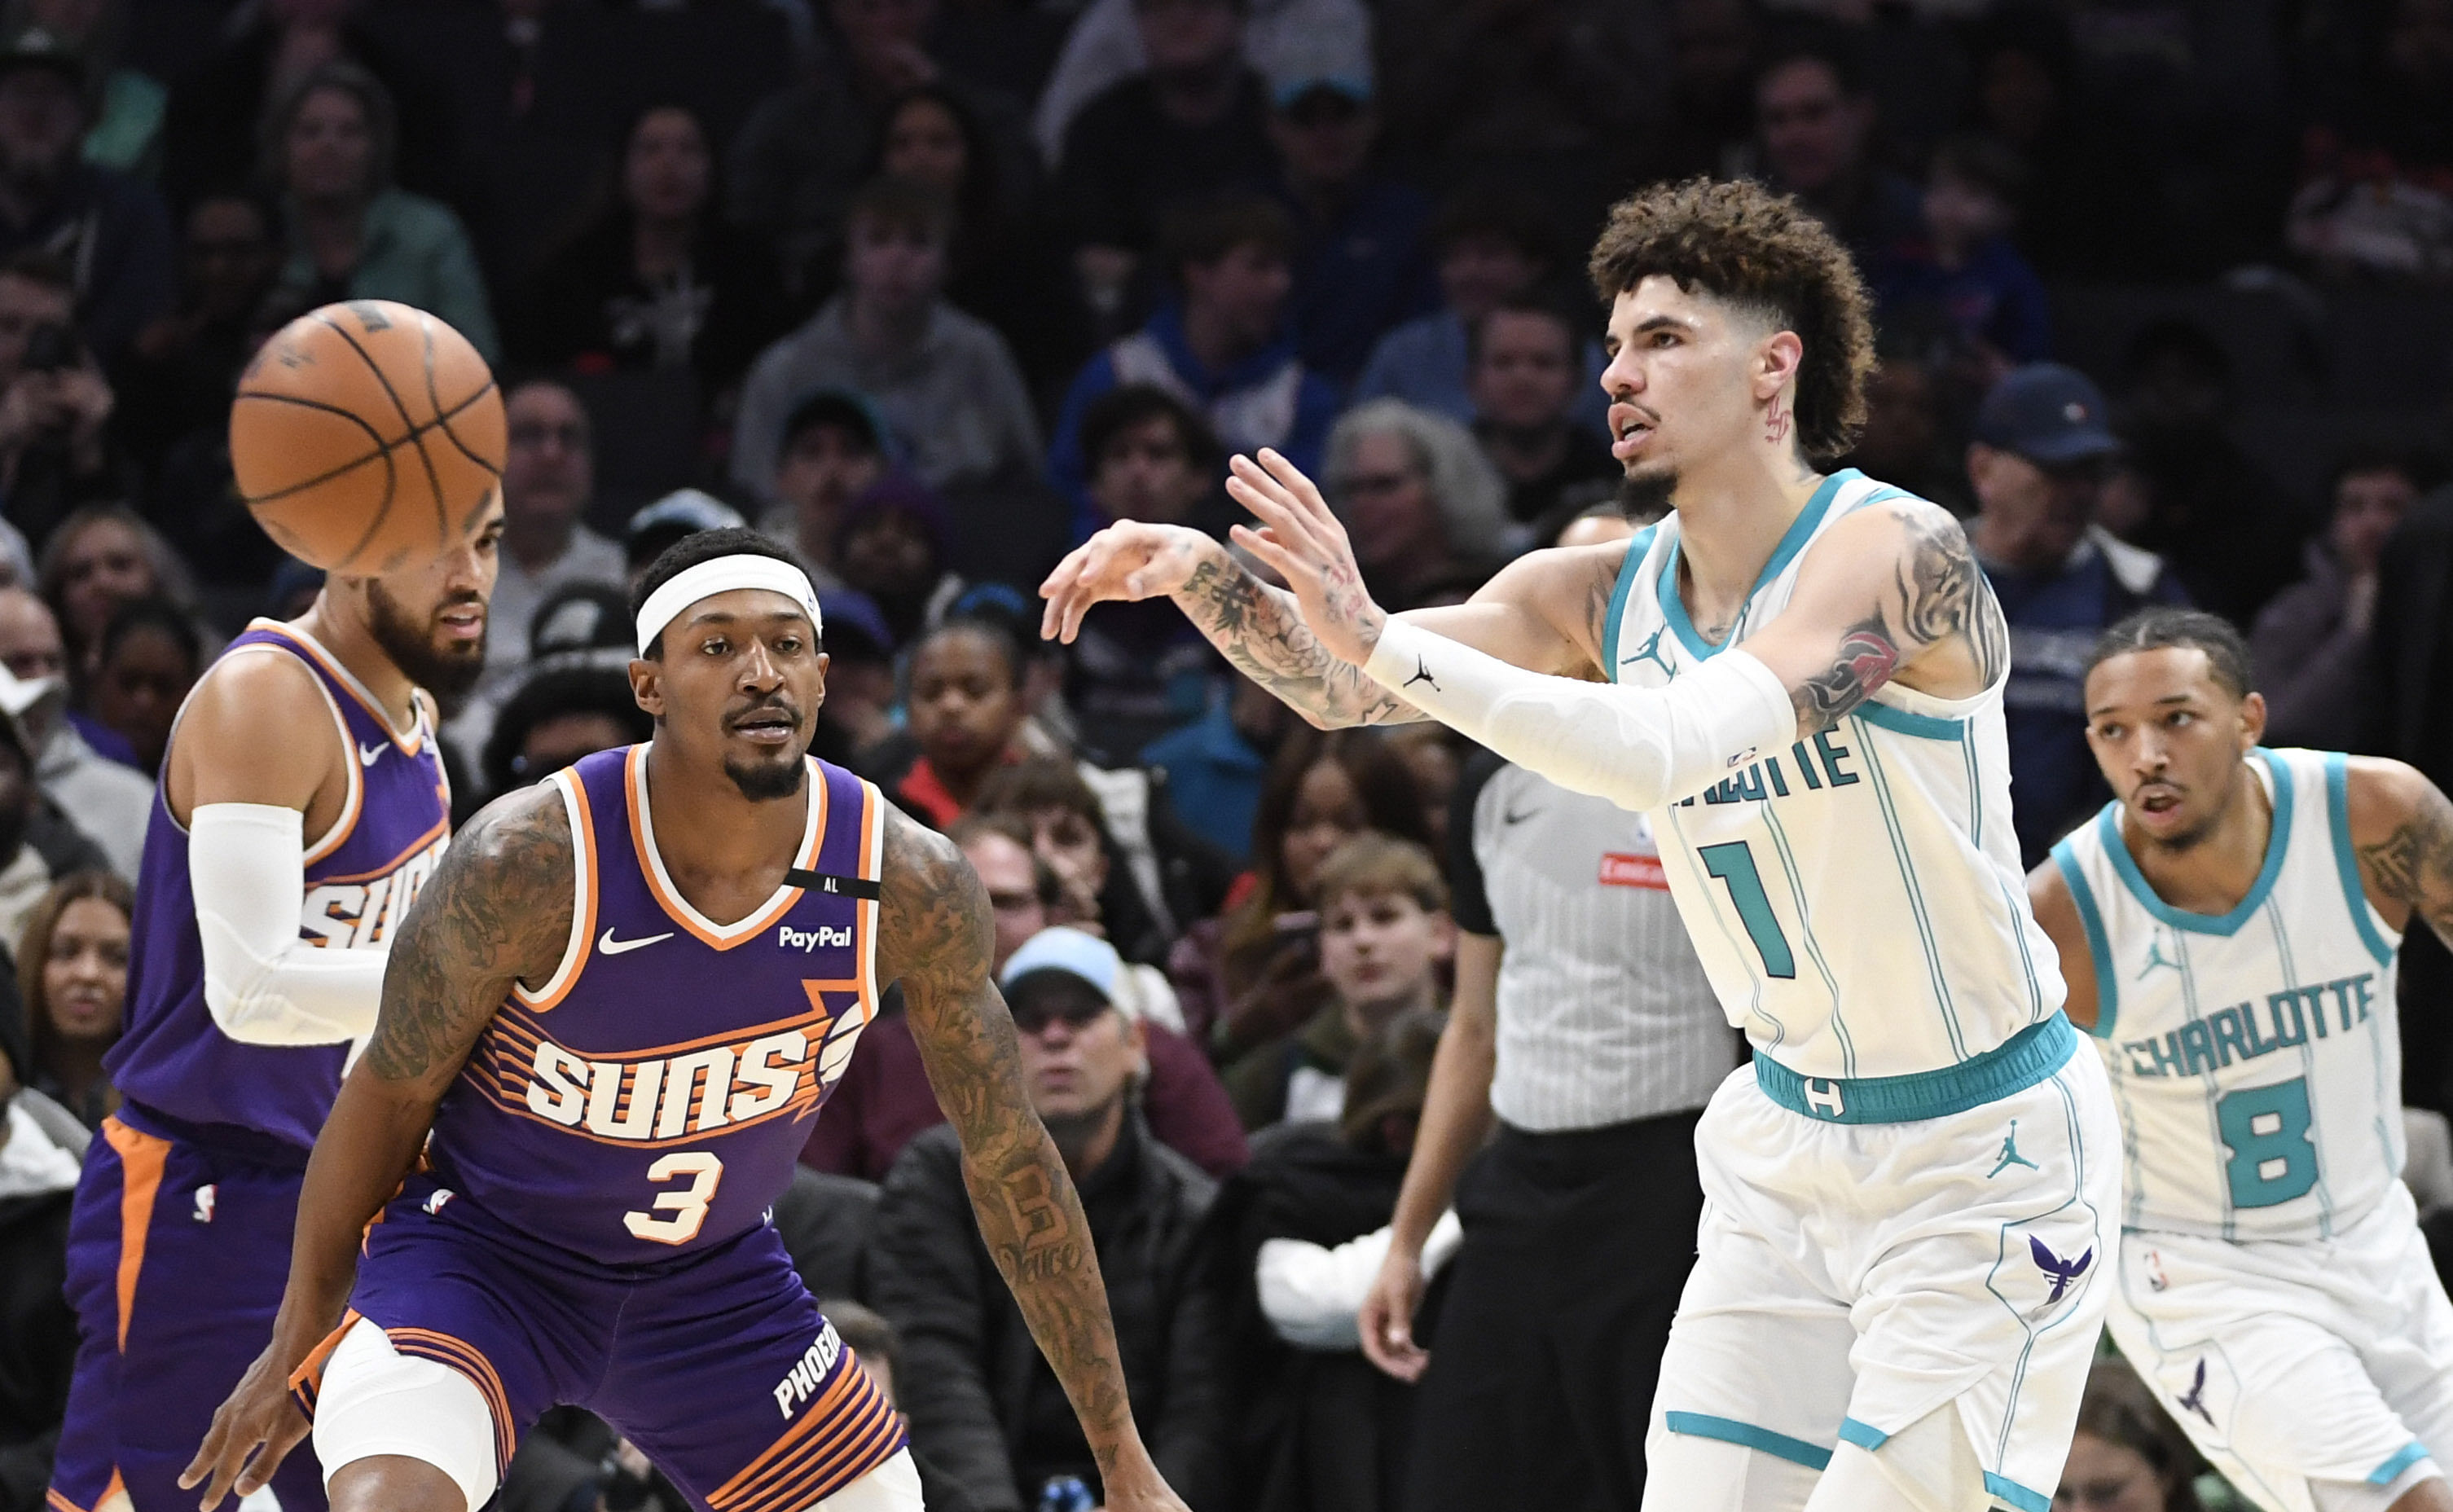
(930, 290)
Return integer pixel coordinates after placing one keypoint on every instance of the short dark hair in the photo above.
(989, 627)
(688, 553)
(832, 408)
(862, 1330)
(1825, 46)
(2153, 629)
(1989, 164)
(1198, 234)
(155, 613)
(1511, 215)
(901, 205)
(1528, 303)
(1043, 782)
(1130, 407)
(2420, 465)
(549, 694)
(1743, 243)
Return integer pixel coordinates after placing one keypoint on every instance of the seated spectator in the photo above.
(1219, 343)
(966, 713)
(1527, 382)
(1314, 1424)
(185, 364)
(1436, 756)
(72, 978)
(1362, 259)
(2038, 466)
(796, 164)
(557, 714)
(2127, 1453)
(892, 548)
(112, 802)
(127, 103)
(1903, 443)
(1815, 122)
(834, 448)
(108, 229)
(943, 381)
(1000, 264)
(55, 404)
(1383, 932)
(1215, 766)
(352, 233)
(884, 1099)
(1187, 127)
(41, 1151)
(1423, 505)
(1965, 280)
(982, 1404)
(863, 699)
(2376, 198)
(658, 280)
(38, 845)
(2311, 644)
(150, 654)
(101, 558)
(1254, 973)
(657, 526)
(1104, 48)
(1491, 247)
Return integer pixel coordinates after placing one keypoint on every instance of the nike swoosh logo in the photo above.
(608, 945)
(1509, 817)
(369, 755)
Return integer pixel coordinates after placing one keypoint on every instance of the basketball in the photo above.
(367, 436)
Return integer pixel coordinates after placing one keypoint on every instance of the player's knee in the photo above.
(893, 1486)
(1687, 1473)
(2435, 1494)
(1928, 1466)
(393, 1482)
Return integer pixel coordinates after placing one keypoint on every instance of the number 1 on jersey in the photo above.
(1734, 864)
(687, 1207)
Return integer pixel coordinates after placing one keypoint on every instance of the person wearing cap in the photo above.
(657, 526)
(834, 449)
(111, 800)
(111, 230)
(1362, 260)
(2042, 453)
(983, 1406)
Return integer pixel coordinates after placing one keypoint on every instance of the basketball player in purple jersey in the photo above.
(301, 807)
(618, 1005)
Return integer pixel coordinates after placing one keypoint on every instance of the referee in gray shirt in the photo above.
(1584, 1027)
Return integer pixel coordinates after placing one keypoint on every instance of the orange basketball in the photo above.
(367, 436)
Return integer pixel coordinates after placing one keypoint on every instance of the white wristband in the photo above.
(1639, 747)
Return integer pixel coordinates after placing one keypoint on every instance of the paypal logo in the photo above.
(806, 941)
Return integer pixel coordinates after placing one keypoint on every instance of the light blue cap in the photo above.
(1070, 950)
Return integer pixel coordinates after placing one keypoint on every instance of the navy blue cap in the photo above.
(2048, 413)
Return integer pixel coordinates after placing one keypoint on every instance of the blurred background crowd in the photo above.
(929, 289)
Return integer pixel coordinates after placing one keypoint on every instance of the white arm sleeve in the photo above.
(1639, 747)
(1310, 1293)
(264, 985)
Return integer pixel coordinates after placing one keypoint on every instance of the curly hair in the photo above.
(1742, 243)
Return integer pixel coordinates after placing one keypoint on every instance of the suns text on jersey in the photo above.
(355, 914)
(698, 1090)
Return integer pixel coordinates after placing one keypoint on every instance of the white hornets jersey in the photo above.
(1856, 898)
(2254, 1055)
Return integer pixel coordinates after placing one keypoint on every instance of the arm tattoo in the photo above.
(1865, 662)
(1259, 629)
(935, 934)
(1940, 594)
(2415, 862)
(496, 910)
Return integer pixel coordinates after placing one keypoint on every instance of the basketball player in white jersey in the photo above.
(2229, 928)
(1798, 676)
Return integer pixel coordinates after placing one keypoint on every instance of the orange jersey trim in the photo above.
(409, 743)
(838, 1439)
(677, 909)
(442, 828)
(141, 1158)
(583, 865)
(307, 1382)
(470, 1362)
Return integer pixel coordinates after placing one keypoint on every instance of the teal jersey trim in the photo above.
(2355, 894)
(1747, 1436)
(1637, 548)
(2099, 945)
(2019, 1063)
(1863, 1435)
(2278, 845)
(2408, 1455)
(2017, 1495)
(1800, 531)
(1900, 722)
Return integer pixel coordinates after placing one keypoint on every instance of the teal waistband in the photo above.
(2019, 1063)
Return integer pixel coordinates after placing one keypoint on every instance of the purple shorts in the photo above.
(717, 1364)
(177, 1252)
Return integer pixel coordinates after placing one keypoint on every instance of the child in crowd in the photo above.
(1965, 287)
(1384, 933)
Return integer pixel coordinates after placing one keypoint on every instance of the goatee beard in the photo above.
(448, 676)
(1645, 497)
(763, 783)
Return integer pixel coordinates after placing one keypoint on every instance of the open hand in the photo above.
(1128, 561)
(253, 1432)
(1302, 541)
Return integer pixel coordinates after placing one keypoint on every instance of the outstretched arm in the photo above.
(497, 912)
(935, 935)
(2401, 827)
(1891, 591)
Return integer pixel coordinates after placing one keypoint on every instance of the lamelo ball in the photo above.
(367, 436)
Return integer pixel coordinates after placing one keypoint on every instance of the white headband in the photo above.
(721, 575)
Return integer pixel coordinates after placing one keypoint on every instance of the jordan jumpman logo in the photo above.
(2010, 1155)
(2155, 957)
(1650, 651)
(1421, 674)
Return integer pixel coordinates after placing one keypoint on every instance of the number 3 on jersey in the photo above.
(2266, 1129)
(1734, 864)
(686, 1209)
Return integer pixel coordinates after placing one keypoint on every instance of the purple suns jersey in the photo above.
(361, 877)
(652, 1096)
